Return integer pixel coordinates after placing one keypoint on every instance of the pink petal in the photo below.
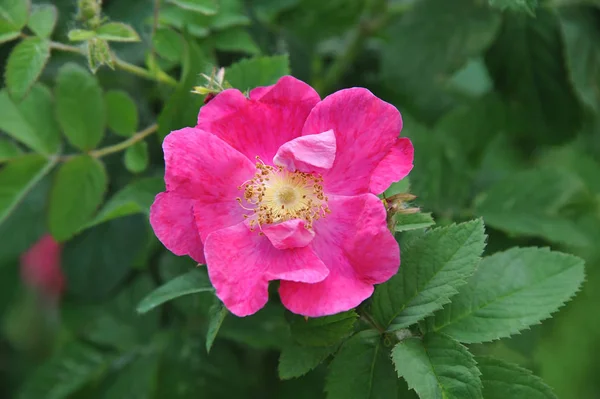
(289, 234)
(40, 267)
(242, 262)
(396, 165)
(307, 153)
(365, 128)
(258, 126)
(359, 251)
(172, 219)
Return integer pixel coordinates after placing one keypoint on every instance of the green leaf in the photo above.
(7, 33)
(77, 35)
(78, 189)
(216, 316)
(168, 44)
(98, 54)
(322, 331)
(361, 369)
(25, 64)
(582, 50)
(135, 379)
(192, 282)
(544, 106)
(80, 106)
(14, 13)
(503, 380)
(32, 121)
(437, 367)
(17, 178)
(117, 32)
(259, 71)
(510, 291)
(134, 198)
(434, 266)
(66, 372)
(136, 157)
(207, 7)
(414, 221)
(529, 203)
(297, 360)
(43, 19)
(519, 5)
(8, 149)
(235, 40)
(121, 113)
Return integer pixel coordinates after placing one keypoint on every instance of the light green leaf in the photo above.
(192, 282)
(43, 19)
(32, 121)
(80, 106)
(434, 266)
(361, 369)
(322, 331)
(259, 71)
(17, 178)
(7, 33)
(216, 315)
(117, 32)
(529, 204)
(510, 291)
(414, 221)
(134, 198)
(502, 380)
(66, 372)
(8, 149)
(297, 360)
(519, 5)
(121, 113)
(98, 54)
(25, 64)
(437, 367)
(77, 35)
(168, 44)
(235, 40)
(136, 157)
(14, 13)
(206, 7)
(78, 189)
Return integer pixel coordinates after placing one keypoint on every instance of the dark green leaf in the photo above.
(437, 367)
(503, 380)
(80, 106)
(235, 40)
(434, 266)
(207, 7)
(322, 331)
(136, 157)
(259, 71)
(43, 19)
(121, 113)
(135, 379)
(193, 282)
(509, 292)
(117, 32)
(518, 5)
(8, 149)
(78, 189)
(168, 44)
(25, 64)
(297, 360)
(216, 316)
(361, 369)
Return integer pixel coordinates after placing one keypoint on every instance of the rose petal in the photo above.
(289, 234)
(315, 152)
(396, 165)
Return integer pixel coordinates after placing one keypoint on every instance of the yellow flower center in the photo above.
(275, 194)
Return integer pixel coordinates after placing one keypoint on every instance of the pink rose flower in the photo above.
(281, 186)
(40, 268)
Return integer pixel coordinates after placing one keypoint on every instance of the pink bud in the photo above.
(40, 268)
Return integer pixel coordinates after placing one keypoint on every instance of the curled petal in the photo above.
(396, 165)
(315, 152)
(289, 234)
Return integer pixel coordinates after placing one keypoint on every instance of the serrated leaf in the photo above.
(42, 20)
(69, 370)
(528, 203)
(517, 5)
(25, 64)
(216, 316)
(17, 178)
(80, 106)
(434, 266)
(77, 35)
(437, 367)
(206, 7)
(502, 380)
(413, 221)
(235, 40)
(509, 292)
(136, 157)
(77, 191)
(322, 331)
(168, 44)
(32, 121)
(15, 13)
(121, 113)
(192, 282)
(134, 198)
(297, 360)
(259, 71)
(117, 32)
(98, 54)
(8, 149)
(361, 369)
